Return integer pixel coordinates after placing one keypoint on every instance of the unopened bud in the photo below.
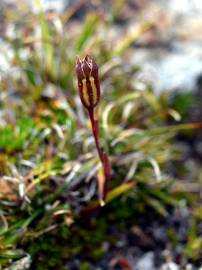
(88, 81)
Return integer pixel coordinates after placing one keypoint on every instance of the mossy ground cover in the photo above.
(49, 165)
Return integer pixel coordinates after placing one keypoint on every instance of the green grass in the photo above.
(48, 162)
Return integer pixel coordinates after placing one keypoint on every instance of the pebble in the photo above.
(169, 266)
(146, 262)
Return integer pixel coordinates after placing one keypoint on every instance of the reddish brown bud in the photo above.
(88, 81)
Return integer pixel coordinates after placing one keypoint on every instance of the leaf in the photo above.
(47, 43)
(118, 191)
(116, 104)
(88, 30)
(123, 262)
(157, 205)
(11, 254)
(101, 185)
(124, 43)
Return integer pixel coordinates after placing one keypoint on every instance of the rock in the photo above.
(169, 266)
(174, 58)
(146, 262)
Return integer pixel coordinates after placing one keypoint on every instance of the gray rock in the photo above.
(146, 262)
(169, 266)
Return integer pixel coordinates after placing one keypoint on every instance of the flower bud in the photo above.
(88, 81)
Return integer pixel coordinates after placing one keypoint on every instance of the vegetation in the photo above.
(49, 208)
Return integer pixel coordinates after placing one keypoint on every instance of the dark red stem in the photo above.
(95, 129)
(102, 155)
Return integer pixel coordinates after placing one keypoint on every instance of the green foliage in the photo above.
(193, 248)
(14, 138)
(183, 102)
(48, 161)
